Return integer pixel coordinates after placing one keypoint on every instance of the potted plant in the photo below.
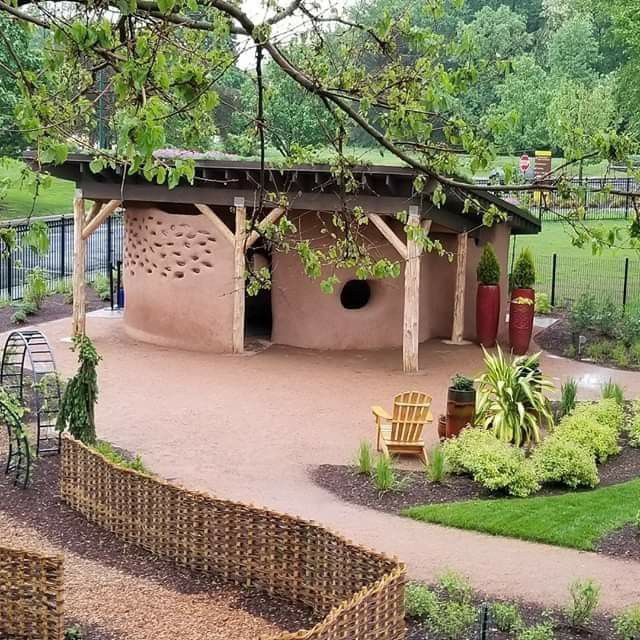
(522, 306)
(488, 297)
(461, 404)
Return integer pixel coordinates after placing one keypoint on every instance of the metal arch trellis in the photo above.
(28, 353)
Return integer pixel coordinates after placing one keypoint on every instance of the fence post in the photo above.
(627, 201)
(554, 265)
(62, 247)
(10, 274)
(109, 242)
(626, 282)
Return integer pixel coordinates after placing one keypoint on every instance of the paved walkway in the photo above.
(248, 428)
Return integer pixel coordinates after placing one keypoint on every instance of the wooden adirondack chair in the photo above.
(402, 431)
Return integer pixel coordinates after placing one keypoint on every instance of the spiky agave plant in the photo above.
(511, 398)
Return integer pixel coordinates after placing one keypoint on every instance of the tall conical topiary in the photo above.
(77, 408)
(488, 271)
(524, 271)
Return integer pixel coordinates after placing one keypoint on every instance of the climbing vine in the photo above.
(77, 408)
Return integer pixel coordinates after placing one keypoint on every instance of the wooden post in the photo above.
(460, 291)
(78, 279)
(411, 325)
(239, 276)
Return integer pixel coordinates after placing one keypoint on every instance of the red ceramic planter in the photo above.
(487, 314)
(521, 321)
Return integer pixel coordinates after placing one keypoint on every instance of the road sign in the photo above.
(525, 162)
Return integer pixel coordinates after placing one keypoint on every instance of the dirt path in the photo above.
(248, 428)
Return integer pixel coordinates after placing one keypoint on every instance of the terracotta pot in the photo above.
(442, 428)
(521, 321)
(461, 410)
(487, 314)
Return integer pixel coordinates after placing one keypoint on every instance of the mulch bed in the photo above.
(54, 307)
(415, 489)
(40, 510)
(600, 628)
(557, 339)
(623, 543)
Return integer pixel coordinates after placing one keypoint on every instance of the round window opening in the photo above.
(355, 294)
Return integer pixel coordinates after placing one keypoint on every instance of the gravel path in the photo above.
(250, 428)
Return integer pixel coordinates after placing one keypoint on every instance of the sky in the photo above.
(287, 28)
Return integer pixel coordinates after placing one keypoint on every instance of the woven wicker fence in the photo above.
(358, 593)
(30, 595)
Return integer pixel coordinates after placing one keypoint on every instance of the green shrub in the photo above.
(107, 450)
(384, 474)
(568, 395)
(570, 352)
(613, 391)
(19, 316)
(436, 468)
(506, 616)
(447, 609)
(600, 350)
(585, 596)
(620, 355)
(633, 426)
(511, 398)
(540, 631)
(461, 383)
(495, 465)
(36, 287)
(634, 352)
(589, 314)
(74, 632)
(102, 286)
(365, 458)
(558, 461)
(420, 601)
(543, 305)
(452, 620)
(523, 275)
(455, 587)
(488, 271)
(595, 427)
(627, 624)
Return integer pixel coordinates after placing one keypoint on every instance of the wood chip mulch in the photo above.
(115, 591)
(54, 307)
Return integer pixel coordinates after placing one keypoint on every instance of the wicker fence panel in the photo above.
(30, 595)
(360, 593)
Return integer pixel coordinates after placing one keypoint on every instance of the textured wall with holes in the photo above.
(178, 277)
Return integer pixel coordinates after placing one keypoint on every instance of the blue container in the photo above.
(120, 298)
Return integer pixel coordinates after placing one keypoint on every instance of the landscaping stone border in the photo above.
(31, 596)
(358, 593)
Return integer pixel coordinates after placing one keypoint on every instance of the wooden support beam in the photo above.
(411, 316)
(95, 209)
(213, 217)
(460, 290)
(100, 217)
(239, 276)
(271, 218)
(389, 234)
(78, 279)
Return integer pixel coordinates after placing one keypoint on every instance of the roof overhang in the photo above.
(385, 190)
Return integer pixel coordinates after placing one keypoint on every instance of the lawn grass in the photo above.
(576, 519)
(18, 202)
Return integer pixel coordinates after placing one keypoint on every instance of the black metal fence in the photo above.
(104, 248)
(594, 194)
(565, 278)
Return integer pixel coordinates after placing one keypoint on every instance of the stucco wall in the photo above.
(304, 316)
(178, 277)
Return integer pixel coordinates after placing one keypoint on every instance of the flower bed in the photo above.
(360, 593)
(30, 595)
